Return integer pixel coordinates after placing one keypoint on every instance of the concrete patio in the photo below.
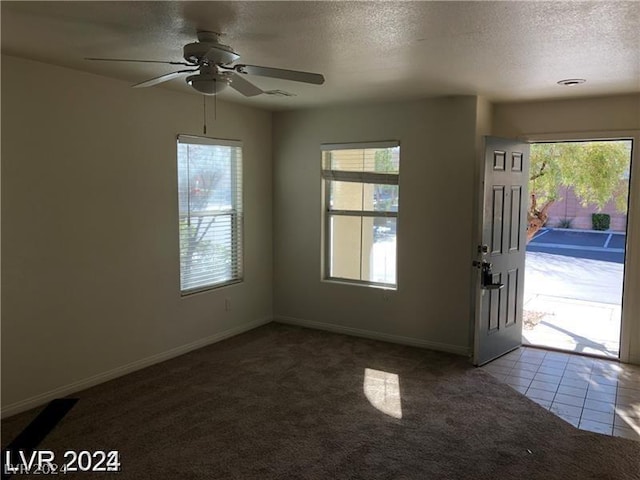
(572, 325)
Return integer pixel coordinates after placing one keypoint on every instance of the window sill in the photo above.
(209, 288)
(356, 283)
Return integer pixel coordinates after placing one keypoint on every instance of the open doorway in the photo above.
(576, 246)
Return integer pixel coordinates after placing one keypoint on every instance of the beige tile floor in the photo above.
(592, 394)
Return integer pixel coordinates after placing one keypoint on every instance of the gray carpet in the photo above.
(283, 402)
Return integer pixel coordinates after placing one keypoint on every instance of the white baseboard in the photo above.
(386, 337)
(46, 397)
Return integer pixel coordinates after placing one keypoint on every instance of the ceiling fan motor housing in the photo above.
(209, 52)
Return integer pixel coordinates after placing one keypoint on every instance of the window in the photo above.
(210, 211)
(361, 212)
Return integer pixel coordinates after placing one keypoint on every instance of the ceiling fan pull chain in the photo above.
(204, 114)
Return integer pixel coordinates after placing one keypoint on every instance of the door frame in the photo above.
(630, 305)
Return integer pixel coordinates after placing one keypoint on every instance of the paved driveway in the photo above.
(576, 265)
(605, 246)
(573, 278)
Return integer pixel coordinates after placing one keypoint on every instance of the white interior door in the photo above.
(501, 253)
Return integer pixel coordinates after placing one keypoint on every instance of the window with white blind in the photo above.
(361, 195)
(210, 212)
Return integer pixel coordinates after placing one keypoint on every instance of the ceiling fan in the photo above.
(212, 70)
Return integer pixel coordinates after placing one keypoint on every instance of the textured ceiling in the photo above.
(368, 51)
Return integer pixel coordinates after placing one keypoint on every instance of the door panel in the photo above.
(516, 218)
(497, 217)
(499, 290)
(495, 299)
(512, 297)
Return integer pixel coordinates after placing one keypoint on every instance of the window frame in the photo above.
(236, 213)
(327, 176)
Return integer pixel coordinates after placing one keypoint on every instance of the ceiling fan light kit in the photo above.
(212, 70)
(208, 81)
(208, 84)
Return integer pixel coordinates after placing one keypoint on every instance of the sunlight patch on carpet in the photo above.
(382, 389)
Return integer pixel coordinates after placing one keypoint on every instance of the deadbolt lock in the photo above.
(487, 276)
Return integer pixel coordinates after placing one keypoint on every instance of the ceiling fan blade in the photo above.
(162, 78)
(139, 61)
(293, 75)
(245, 87)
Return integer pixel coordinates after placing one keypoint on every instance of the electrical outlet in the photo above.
(227, 304)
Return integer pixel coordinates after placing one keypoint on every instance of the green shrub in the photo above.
(600, 221)
(565, 223)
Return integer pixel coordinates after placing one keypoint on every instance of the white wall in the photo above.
(591, 118)
(581, 115)
(437, 155)
(90, 270)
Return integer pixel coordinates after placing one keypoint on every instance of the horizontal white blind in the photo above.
(361, 177)
(381, 160)
(193, 140)
(359, 145)
(210, 212)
